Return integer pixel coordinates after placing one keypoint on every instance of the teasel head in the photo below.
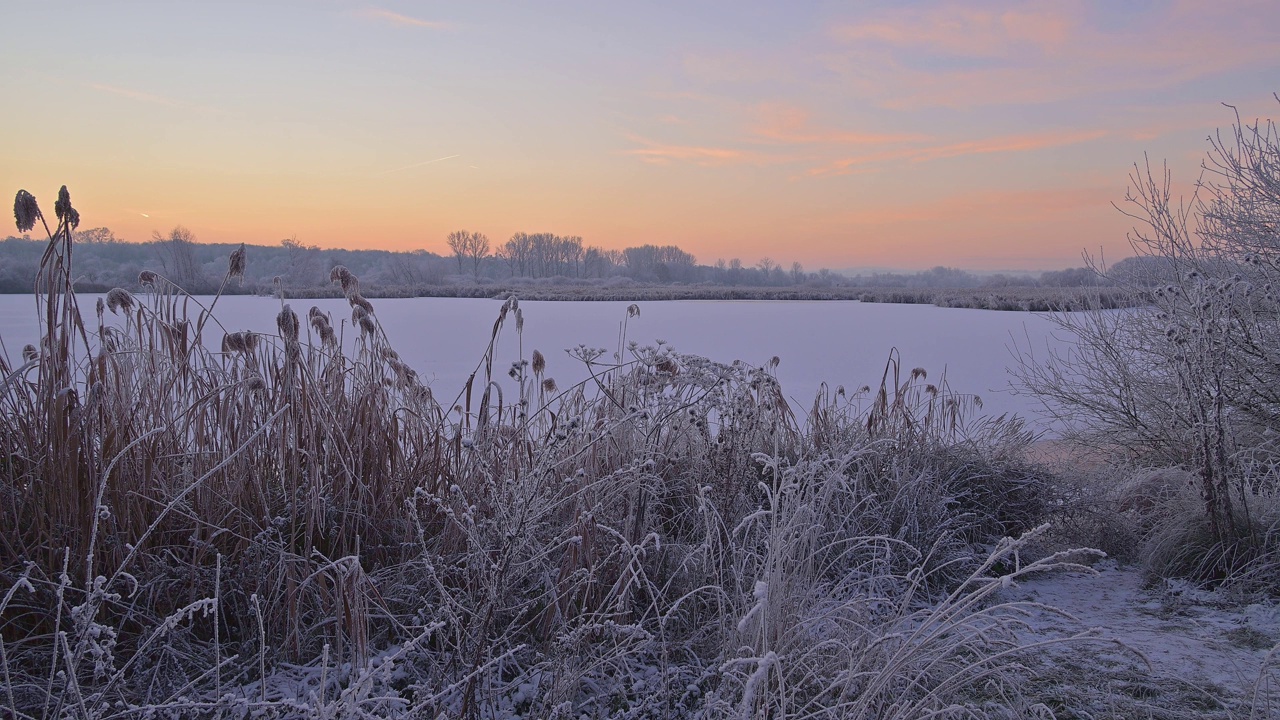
(25, 210)
(287, 322)
(62, 208)
(235, 266)
(119, 299)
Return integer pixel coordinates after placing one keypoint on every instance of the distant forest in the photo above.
(475, 268)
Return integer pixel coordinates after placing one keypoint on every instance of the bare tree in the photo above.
(459, 242)
(304, 262)
(178, 257)
(1195, 379)
(516, 253)
(477, 249)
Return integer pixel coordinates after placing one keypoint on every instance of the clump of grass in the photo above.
(296, 524)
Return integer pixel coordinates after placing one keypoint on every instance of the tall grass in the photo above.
(295, 525)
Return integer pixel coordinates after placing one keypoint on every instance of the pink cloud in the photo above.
(396, 18)
(1046, 52)
(1002, 144)
(136, 95)
(658, 153)
(966, 31)
(790, 125)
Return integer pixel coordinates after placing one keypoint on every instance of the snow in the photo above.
(836, 342)
(1184, 634)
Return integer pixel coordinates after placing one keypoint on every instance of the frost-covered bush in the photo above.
(1193, 380)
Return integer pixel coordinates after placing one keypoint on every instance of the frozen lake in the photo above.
(840, 343)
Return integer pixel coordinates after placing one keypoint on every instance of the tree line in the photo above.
(107, 261)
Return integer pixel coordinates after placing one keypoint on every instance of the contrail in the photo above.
(408, 167)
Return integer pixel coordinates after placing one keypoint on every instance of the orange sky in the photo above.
(977, 135)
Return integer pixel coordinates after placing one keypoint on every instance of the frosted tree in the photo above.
(1195, 379)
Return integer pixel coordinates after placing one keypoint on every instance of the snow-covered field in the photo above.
(836, 342)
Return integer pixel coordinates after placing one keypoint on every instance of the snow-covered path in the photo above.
(1186, 635)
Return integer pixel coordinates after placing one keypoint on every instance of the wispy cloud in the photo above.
(136, 95)
(402, 20)
(969, 31)
(1001, 144)
(416, 165)
(788, 124)
(963, 56)
(659, 153)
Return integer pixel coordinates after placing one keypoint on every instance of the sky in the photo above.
(986, 136)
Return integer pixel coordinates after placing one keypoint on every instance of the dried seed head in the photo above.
(119, 299)
(918, 373)
(25, 210)
(62, 208)
(358, 300)
(358, 314)
(29, 353)
(367, 325)
(549, 385)
(539, 363)
(242, 342)
(287, 321)
(519, 320)
(63, 203)
(176, 333)
(633, 310)
(320, 323)
(255, 383)
(235, 266)
(341, 275)
(146, 278)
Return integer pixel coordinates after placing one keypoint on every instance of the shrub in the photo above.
(1192, 380)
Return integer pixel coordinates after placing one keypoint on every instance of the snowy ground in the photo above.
(1185, 641)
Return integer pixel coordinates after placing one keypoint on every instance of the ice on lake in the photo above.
(836, 342)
